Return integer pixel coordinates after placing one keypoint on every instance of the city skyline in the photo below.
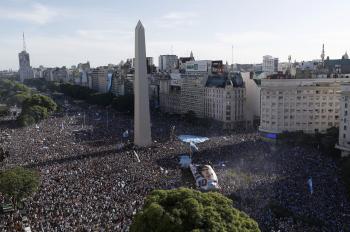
(66, 33)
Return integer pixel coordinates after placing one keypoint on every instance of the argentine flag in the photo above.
(193, 147)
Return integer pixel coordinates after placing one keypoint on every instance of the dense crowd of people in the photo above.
(92, 180)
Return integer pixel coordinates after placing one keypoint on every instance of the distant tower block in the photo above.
(142, 124)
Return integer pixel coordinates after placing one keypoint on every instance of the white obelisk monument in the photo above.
(142, 124)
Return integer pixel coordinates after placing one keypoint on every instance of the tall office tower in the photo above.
(25, 71)
(142, 124)
(270, 64)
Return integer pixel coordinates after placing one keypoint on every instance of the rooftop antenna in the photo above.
(171, 50)
(24, 43)
(289, 60)
(232, 58)
(232, 55)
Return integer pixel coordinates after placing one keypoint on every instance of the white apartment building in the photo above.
(270, 64)
(344, 125)
(308, 105)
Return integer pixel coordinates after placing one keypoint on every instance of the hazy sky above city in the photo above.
(67, 32)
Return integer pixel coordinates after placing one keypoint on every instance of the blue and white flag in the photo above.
(193, 147)
(126, 134)
(309, 182)
(192, 138)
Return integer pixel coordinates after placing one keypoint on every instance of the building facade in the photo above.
(167, 63)
(252, 104)
(60, 74)
(308, 105)
(344, 125)
(224, 99)
(219, 97)
(99, 78)
(192, 94)
(270, 64)
(25, 71)
(170, 94)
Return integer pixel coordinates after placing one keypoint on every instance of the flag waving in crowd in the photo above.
(126, 134)
(309, 182)
(193, 147)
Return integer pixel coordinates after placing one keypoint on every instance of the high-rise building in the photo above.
(150, 65)
(99, 78)
(270, 64)
(192, 93)
(25, 71)
(122, 84)
(84, 73)
(167, 63)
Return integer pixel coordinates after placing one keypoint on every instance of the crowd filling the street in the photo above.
(93, 179)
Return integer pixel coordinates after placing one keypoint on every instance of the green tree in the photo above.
(18, 98)
(37, 112)
(40, 100)
(189, 210)
(18, 183)
(25, 120)
(4, 110)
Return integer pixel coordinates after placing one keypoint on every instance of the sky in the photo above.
(68, 32)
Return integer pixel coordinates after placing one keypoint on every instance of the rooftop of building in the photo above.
(222, 80)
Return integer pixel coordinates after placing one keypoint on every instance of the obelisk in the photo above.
(142, 124)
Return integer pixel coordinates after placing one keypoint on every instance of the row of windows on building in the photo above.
(293, 104)
(299, 110)
(293, 92)
(311, 117)
(298, 98)
(298, 123)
